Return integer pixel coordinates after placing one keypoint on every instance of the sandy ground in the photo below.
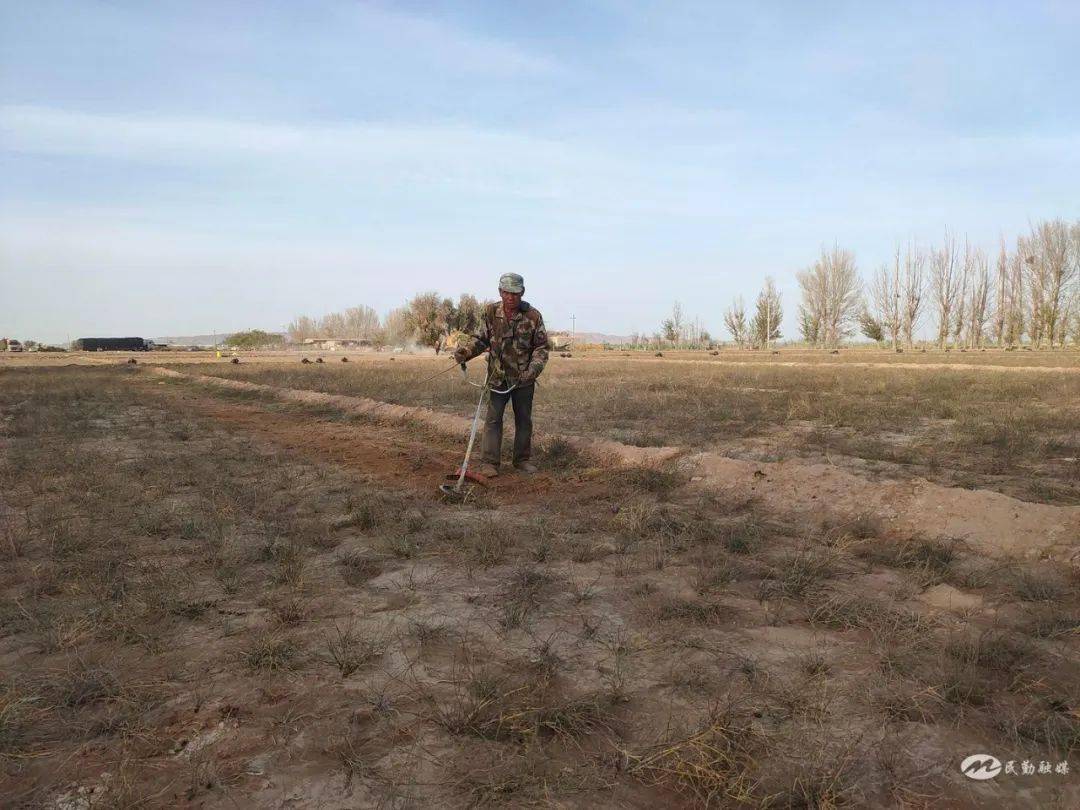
(598, 635)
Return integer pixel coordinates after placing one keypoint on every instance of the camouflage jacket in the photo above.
(514, 346)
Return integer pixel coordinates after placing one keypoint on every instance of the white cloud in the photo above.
(432, 39)
(458, 160)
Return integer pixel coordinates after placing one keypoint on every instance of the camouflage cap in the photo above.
(512, 283)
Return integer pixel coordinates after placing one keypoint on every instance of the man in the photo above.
(513, 334)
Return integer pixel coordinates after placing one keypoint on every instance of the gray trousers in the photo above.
(522, 399)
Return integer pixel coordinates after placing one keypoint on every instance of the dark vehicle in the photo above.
(113, 344)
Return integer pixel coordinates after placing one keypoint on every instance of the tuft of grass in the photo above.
(1049, 720)
(991, 650)
(357, 567)
(693, 677)
(486, 542)
(403, 545)
(965, 686)
(931, 562)
(801, 573)
(712, 765)
(1039, 585)
(899, 700)
(1052, 621)
(84, 683)
(813, 664)
(290, 611)
(514, 614)
(693, 610)
(290, 560)
(845, 611)
(18, 711)
(269, 653)
(658, 479)
(356, 754)
(497, 706)
(428, 633)
(744, 536)
(364, 517)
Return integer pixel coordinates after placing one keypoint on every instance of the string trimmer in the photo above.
(457, 491)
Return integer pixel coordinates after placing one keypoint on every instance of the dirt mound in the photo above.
(990, 521)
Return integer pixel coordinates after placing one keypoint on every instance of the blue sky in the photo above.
(184, 167)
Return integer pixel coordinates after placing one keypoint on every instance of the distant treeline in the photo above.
(1028, 293)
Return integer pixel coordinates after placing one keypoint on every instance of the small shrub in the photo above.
(349, 649)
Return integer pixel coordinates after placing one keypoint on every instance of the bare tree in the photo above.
(1034, 288)
(735, 321)
(885, 299)
(360, 322)
(912, 290)
(397, 328)
(301, 328)
(1001, 287)
(832, 294)
(978, 297)
(1016, 316)
(333, 325)
(1050, 275)
(961, 304)
(765, 325)
(1073, 295)
(945, 278)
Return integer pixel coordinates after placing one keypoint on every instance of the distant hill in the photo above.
(193, 340)
(592, 337)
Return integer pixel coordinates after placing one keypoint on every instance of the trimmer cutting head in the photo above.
(452, 493)
(455, 492)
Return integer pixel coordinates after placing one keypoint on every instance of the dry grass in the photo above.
(712, 765)
(492, 704)
(173, 588)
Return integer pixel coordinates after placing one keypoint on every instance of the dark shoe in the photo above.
(488, 470)
(526, 467)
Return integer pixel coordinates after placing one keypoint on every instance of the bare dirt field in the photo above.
(739, 580)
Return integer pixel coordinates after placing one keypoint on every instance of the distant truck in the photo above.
(113, 344)
(14, 345)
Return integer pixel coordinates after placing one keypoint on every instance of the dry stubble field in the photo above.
(822, 582)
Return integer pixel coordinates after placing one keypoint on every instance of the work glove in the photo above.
(527, 377)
